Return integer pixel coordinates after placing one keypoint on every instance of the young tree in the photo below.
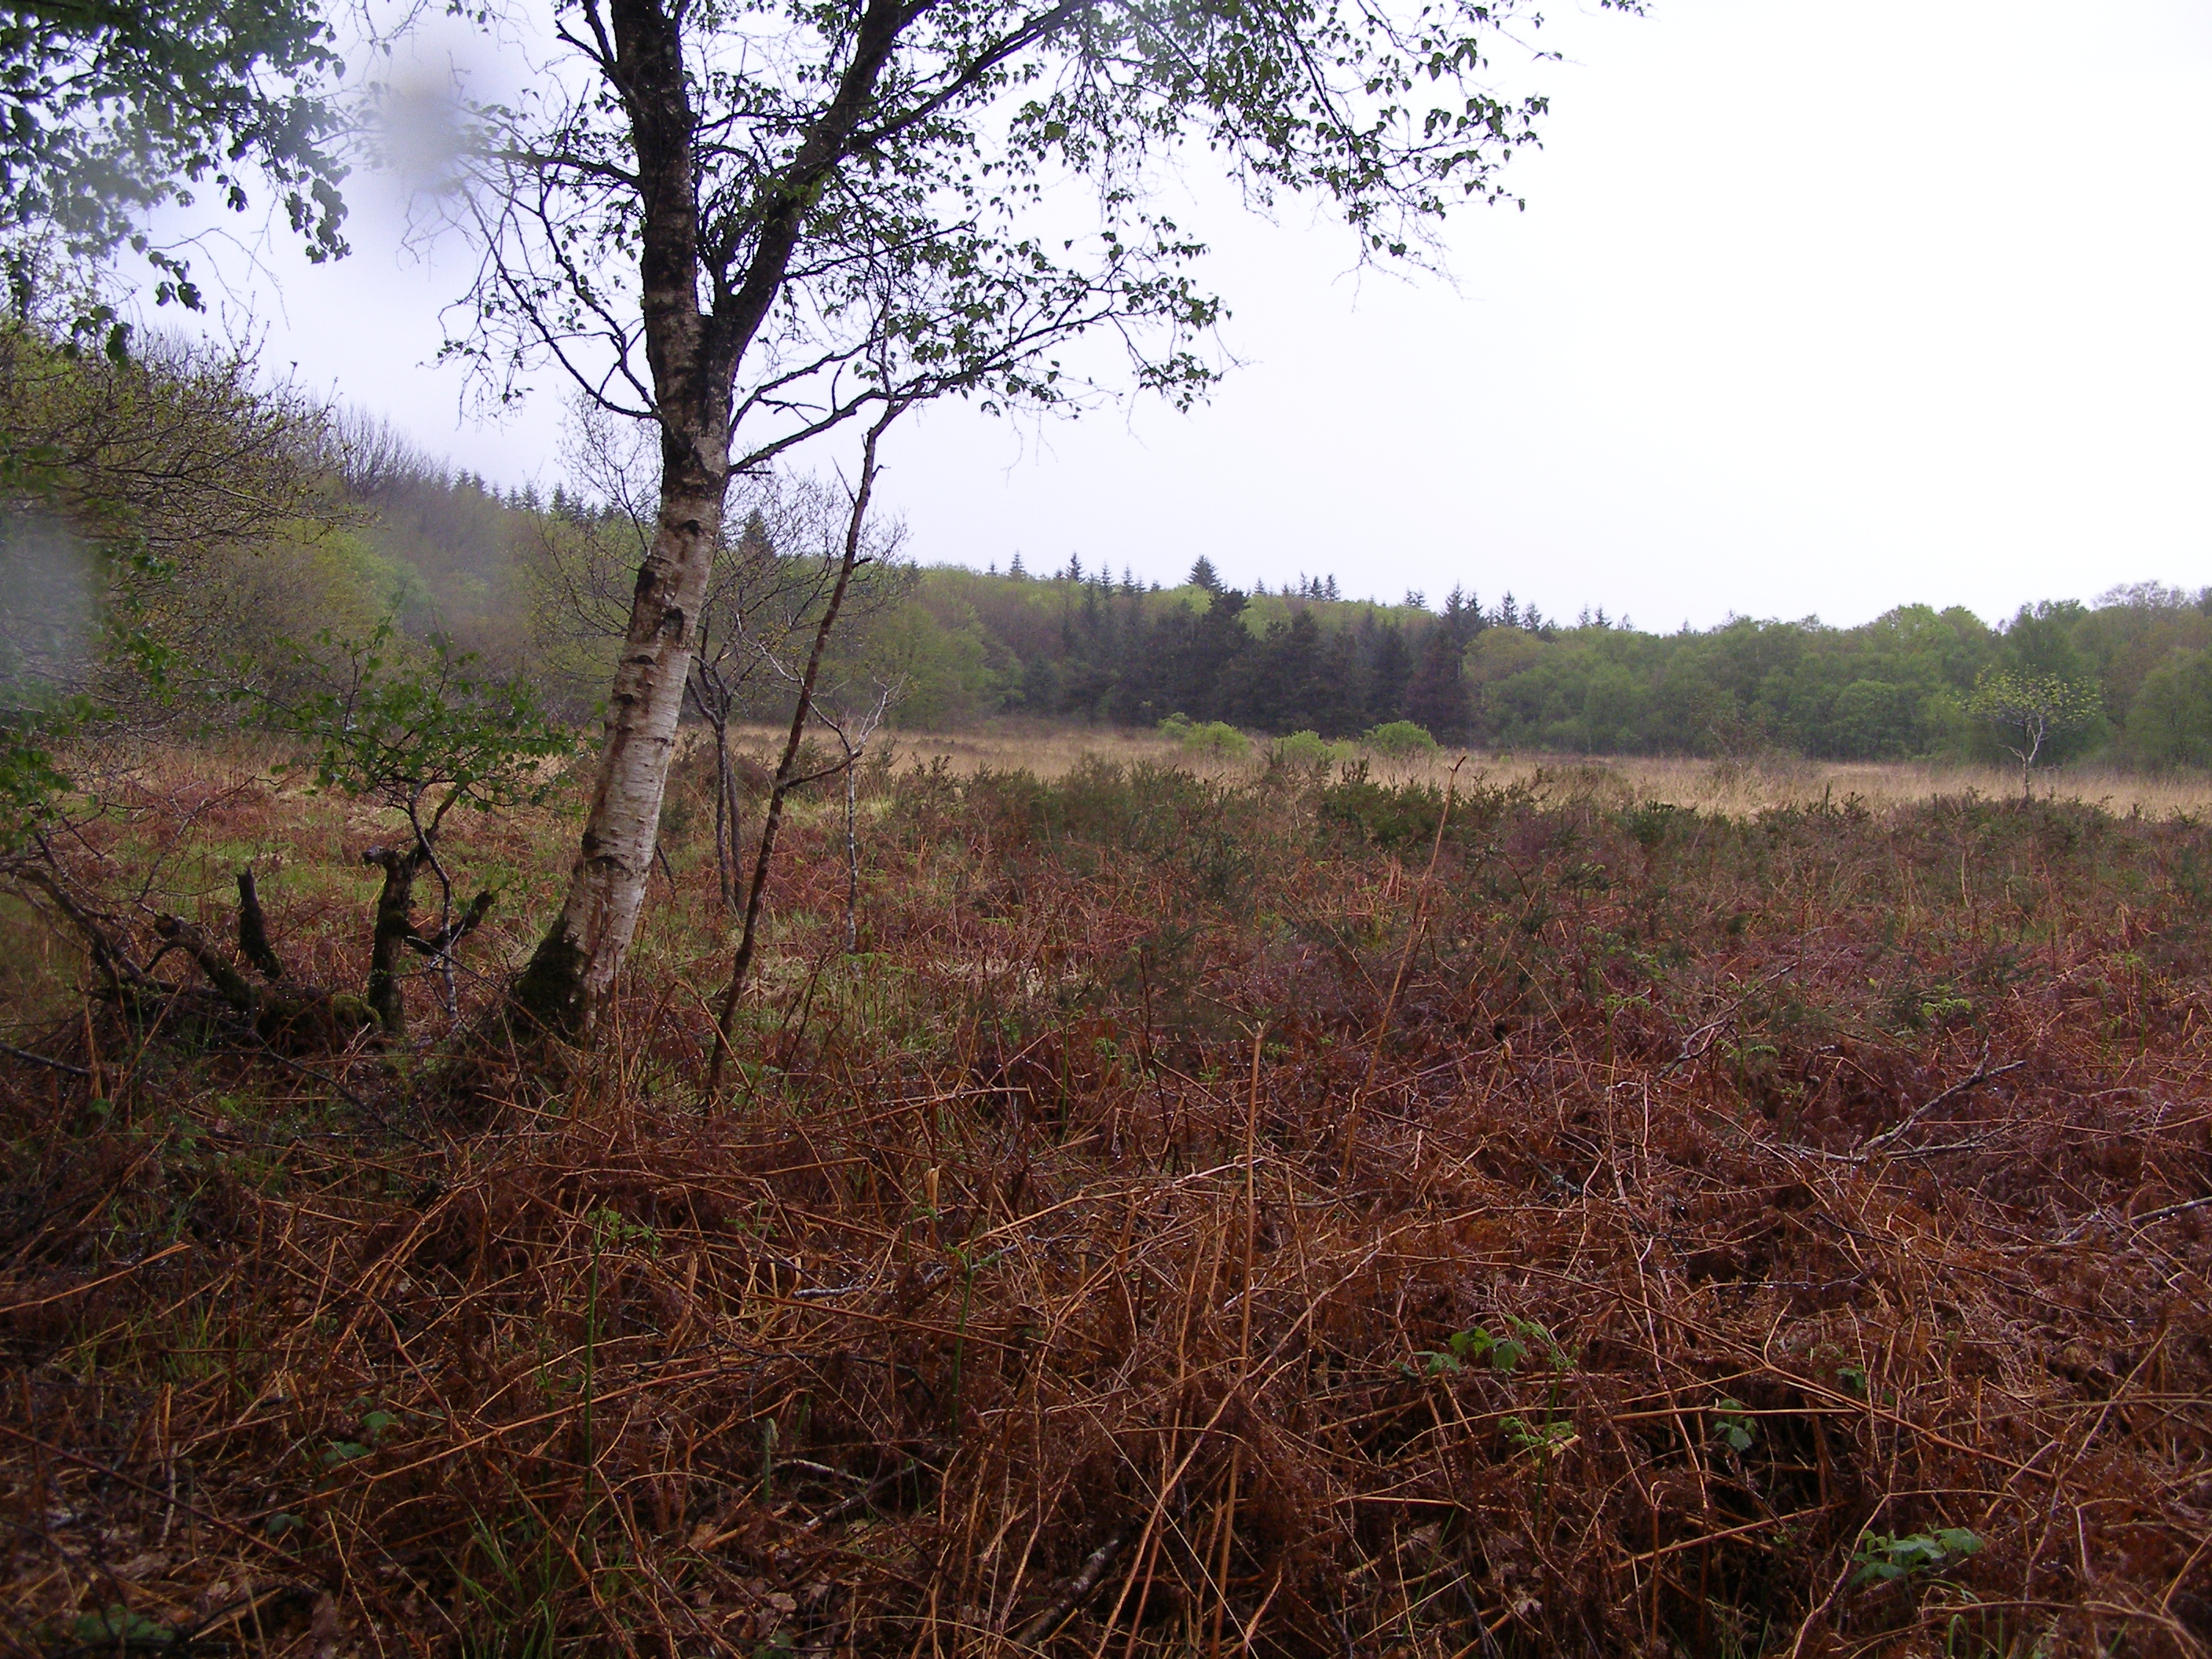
(852, 719)
(763, 597)
(421, 737)
(787, 776)
(2026, 710)
(830, 206)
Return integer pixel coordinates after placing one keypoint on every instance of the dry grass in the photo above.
(1729, 786)
(1190, 1228)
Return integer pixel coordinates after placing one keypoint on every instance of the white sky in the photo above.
(1813, 309)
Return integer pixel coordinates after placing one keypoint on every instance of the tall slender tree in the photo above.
(750, 224)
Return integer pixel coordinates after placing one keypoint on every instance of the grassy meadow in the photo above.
(1634, 1209)
(1751, 783)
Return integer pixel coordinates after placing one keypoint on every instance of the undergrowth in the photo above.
(1194, 1221)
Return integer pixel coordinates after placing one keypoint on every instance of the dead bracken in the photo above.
(1269, 1213)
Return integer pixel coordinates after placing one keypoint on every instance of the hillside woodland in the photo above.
(170, 517)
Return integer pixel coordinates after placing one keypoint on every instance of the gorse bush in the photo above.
(1213, 738)
(1307, 751)
(1399, 739)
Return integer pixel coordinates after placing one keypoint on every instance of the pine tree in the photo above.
(1393, 666)
(1437, 695)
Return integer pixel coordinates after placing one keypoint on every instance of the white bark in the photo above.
(574, 967)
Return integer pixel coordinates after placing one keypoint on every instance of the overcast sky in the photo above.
(1814, 309)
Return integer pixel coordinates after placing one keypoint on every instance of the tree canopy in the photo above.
(751, 223)
(111, 108)
(820, 176)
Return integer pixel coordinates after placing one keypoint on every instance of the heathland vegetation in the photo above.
(1274, 1197)
(505, 1157)
(1308, 1212)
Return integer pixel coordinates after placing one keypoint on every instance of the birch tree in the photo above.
(769, 582)
(749, 222)
(2026, 711)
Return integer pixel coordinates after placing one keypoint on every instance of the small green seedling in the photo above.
(1546, 1439)
(1734, 1424)
(375, 1425)
(121, 1626)
(1475, 1345)
(1883, 1557)
(1534, 1334)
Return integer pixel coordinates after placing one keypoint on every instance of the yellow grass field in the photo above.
(1731, 787)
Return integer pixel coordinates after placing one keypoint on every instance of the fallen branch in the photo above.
(42, 1060)
(1983, 1072)
(1982, 1075)
(1088, 1577)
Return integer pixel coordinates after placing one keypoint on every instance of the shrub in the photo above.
(1399, 739)
(1306, 752)
(1214, 737)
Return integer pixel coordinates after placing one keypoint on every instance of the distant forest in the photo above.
(101, 509)
(1087, 644)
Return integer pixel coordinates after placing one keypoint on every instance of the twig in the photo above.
(1087, 1578)
(1982, 1075)
(2183, 1208)
(42, 1060)
(860, 1500)
(94, 1283)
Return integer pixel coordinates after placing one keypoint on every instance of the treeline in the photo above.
(165, 518)
(1087, 646)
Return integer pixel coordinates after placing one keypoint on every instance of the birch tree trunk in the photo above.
(692, 354)
(692, 364)
(575, 964)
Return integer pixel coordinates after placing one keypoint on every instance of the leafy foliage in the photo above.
(29, 782)
(114, 109)
(869, 184)
(408, 728)
(1399, 739)
(1883, 1557)
(2029, 709)
(1215, 738)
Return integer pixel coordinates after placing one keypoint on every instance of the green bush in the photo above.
(1399, 739)
(1306, 752)
(1380, 814)
(1216, 737)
